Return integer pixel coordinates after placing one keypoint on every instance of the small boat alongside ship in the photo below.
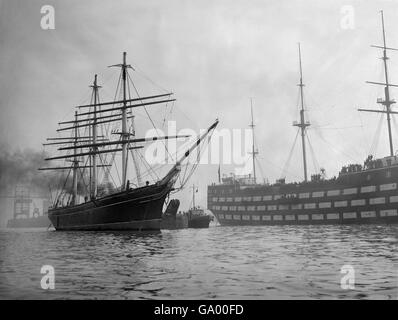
(195, 217)
(137, 206)
(360, 194)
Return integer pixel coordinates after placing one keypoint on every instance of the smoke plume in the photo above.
(21, 167)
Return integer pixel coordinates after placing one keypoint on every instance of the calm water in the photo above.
(288, 262)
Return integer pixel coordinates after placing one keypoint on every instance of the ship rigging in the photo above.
(387, 102)
(106, 207)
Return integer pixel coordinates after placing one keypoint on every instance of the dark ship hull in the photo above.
(39, 222)
(199, 222)
(139, 209)
(361, 197)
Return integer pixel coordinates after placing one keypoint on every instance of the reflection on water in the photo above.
(270, 262)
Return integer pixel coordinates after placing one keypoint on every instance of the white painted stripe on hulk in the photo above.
(367, 189)
(325, 205)
(332, 216)
(368, 214)
(358, 202)
(333, 193)
(309, 205)
(317, 216)
(388, 186)
(379, 200)
(304, 195)
(349, 215)
(339, 204)
(388, 213)
(350, 191)
(393, 199)
(297, 206)
(302, 217)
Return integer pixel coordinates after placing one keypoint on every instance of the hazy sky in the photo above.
(214, 55)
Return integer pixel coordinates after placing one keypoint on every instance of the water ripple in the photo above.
(275, 262)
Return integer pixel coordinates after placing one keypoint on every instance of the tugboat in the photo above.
(197, 218)
(106, 206)
(361, 193)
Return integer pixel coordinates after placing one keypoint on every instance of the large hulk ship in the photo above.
(361, 193)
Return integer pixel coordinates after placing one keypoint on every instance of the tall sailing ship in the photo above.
(365, 193)
(85, 204)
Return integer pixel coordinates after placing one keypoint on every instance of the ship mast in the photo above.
(125, 135)
(94, 186)
(253, 153)
(193, 196)
(302, 125)
(387, 102)
(75, 164)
